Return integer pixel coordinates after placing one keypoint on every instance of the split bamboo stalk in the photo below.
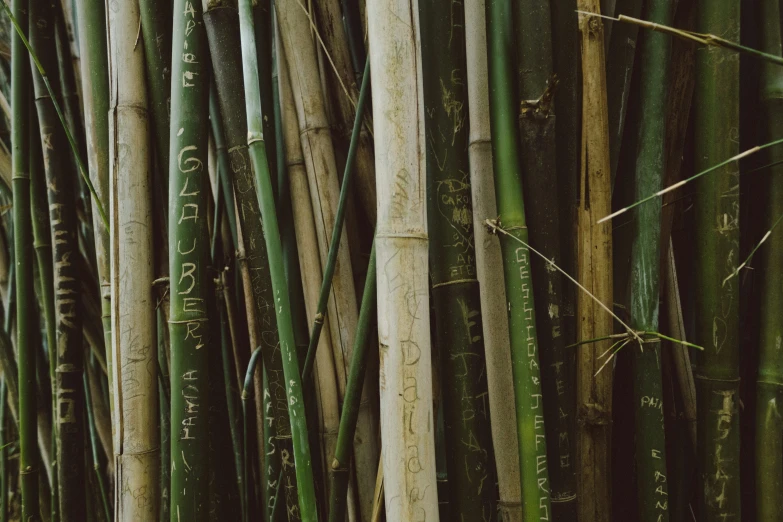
(537, 126)
(455, 290)
(95, 96)
(716, 205)
(310, 263)
(23, 250)
(488, 258)
(650, 448)
(134, 349)
(188, 262)
(343, 75)
(594, 271)
(60, 181)
(509, 197)
(324, 196)
(401, 242)
(769, 383)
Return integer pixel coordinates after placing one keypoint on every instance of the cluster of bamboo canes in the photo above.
(243, 280)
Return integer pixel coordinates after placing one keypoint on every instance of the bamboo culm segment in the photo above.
(769, 383)
(222, 25)
(594, 269)
(537, 124)
(516, 266)
(308, 508)
(134, 348)
(60, 180)
(23, 250)
(455, 289)
(716, 206)
(401, 242)
(488, 259)
(650, 449)
(189, 260)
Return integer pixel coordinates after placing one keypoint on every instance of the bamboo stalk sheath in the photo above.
(135, 386)
(488, 258)
(594, 271)
(401, 242)
(324, 196)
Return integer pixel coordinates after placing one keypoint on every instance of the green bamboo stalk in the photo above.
(353, 30)
(222, 24)
(537, 132)
(455, 289)
(23, 251)
(189, 251)
(716, 117)
(156, 34)
(516, 265)
(60, 178)
(263, 24)
(298, 422)
(650, 448)
(94, 450)
(91, 18)
(247, 384)
(769, 383)
(339, 472)
(4, 485)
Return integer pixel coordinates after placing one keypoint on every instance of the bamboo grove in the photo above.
(402, 260)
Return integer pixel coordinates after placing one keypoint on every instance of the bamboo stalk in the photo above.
(23, 250)
(95, 96)
(594, 270)
(298, 422)
(60, 179)
(311, 276)
(537, 126)
(407, 425)
(94, 449)
(222, 24)
(716, 256)
(339, 472)
(769, 383)
(516, 266)
(189, 249)
(135, 388)
(488, 258)
(455, 290)
(650, 450)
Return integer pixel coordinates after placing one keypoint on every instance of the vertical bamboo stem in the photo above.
(401, 242)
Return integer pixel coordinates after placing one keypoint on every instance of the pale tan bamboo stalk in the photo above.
(488, 264)
(346, 93)
(594, 271)
(310, 265)
(322, 177)
(401, 243)
(136, 435)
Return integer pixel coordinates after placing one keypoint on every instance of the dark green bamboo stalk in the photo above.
(353, 30)
(164, 407)
(189, 259)
(455, 289)
(769, 383)
(255, 141)
(60, 178)
(94, 450)
(263, 26)
(247, 384)
(650, 449)
(222, 23)
(339, 472)
(156, 33)
(23, 251)
(716, 119)
(537, 119)
(516, 264)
